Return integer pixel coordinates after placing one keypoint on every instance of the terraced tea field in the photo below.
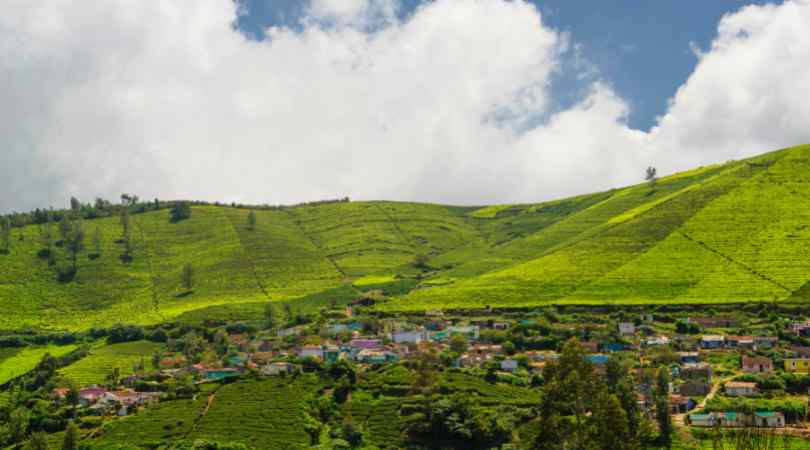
(727, 233)
(93, 368)
(19, 361)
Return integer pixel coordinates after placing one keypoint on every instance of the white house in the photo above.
(740, 389)
(276, 368)
(408, 337)
(627, 328)
(509, 365)
(311, 350)
(471, 331)
(769, 419)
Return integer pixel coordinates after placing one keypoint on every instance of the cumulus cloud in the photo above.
(452, 104)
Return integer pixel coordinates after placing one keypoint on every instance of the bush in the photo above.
(180, 211)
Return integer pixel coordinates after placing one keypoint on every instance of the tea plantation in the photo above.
(729, 233)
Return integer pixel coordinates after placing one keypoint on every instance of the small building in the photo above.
(757, 364)
(91, 395)
(743, 342)
(408, 337)
(500, 325)
(712, 341)
(658, 340)
(311, 351)
(679, 404)
(765, 342)
(689, 357)
(292, 331)
(693, 388)
(797, 365)
(696, 371)
(740, 389)
(277, 368)
(509, 365)
(627, 328)
(221, 374)
(769, 419)
(598, 359)
(590, 346)
(701, 420)
(366, 344)
(612, 347)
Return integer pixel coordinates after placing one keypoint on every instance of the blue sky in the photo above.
(642, 48)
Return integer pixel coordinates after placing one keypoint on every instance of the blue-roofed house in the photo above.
(598, 359)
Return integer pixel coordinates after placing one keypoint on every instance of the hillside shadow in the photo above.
(183, 294)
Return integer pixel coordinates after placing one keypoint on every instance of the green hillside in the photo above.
(735, 232)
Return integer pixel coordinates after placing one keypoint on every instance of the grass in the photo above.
(93, 368)
(727, 233)
(16, 362)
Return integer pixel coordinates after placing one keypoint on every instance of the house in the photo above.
(537, 367)
(647, 318)
(91, 395)
(408, 337)
(331, 353)
(714, 321)
(590, 346)
(696, 371)
(679, 404)
(769, 419)
(311, 351)
(627, 328)
(712, 341)
(509, 365)
(701, 420)
(746, 342)
(729, 419)
(277, 368)
(658, 340)
(797, 365)
(598, 359)
(365, 344)
(59, 393)
(612, 347)
(221, 374)
(292, 331)
(757, 364)
(689, 357)
(500, 325)
(370, 356)
(765, 342)
(693, 388)
(740, 389)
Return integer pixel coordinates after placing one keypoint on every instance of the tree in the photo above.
(458, 343)
(156, 360)
(251, 220)
(662, 412)
(180, 211)
(72, 397)
(71, 440)
(74, 238)
(125, 221)
(610, 430)
(187, 276)
(651, 175)
(424, 365)
(46, 236)
(97, 241)
(269, 315)
(129, 246)
(5, 235)
(420, 261)
(288, 312)
(75, 204)
(38, 441)
(18, 423)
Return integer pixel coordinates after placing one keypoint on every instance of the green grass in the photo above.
(93, 368)
(727, 233)
(265, 414)
(16, 362)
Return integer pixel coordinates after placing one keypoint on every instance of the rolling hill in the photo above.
(729, 233)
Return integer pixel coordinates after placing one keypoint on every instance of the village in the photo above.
(718, 378)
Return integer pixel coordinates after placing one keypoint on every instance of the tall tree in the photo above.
(610, 430)
(651, 175)
(269, 315)
(187, 276)
(46, 235)
(71, 439)
(251, 220)
(662, 412)
(75, 204)
(5, 234)
(125, 221)
(38, 441)
(74, 242)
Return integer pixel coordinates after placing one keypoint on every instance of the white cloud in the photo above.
(166, 99)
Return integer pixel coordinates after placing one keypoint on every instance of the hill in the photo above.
(729, 233)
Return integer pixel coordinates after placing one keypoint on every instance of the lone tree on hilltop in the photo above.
(251, 220)
(180, 211)
(651, 175)
(187, 277)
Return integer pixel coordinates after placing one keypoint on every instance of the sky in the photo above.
(451, 101)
